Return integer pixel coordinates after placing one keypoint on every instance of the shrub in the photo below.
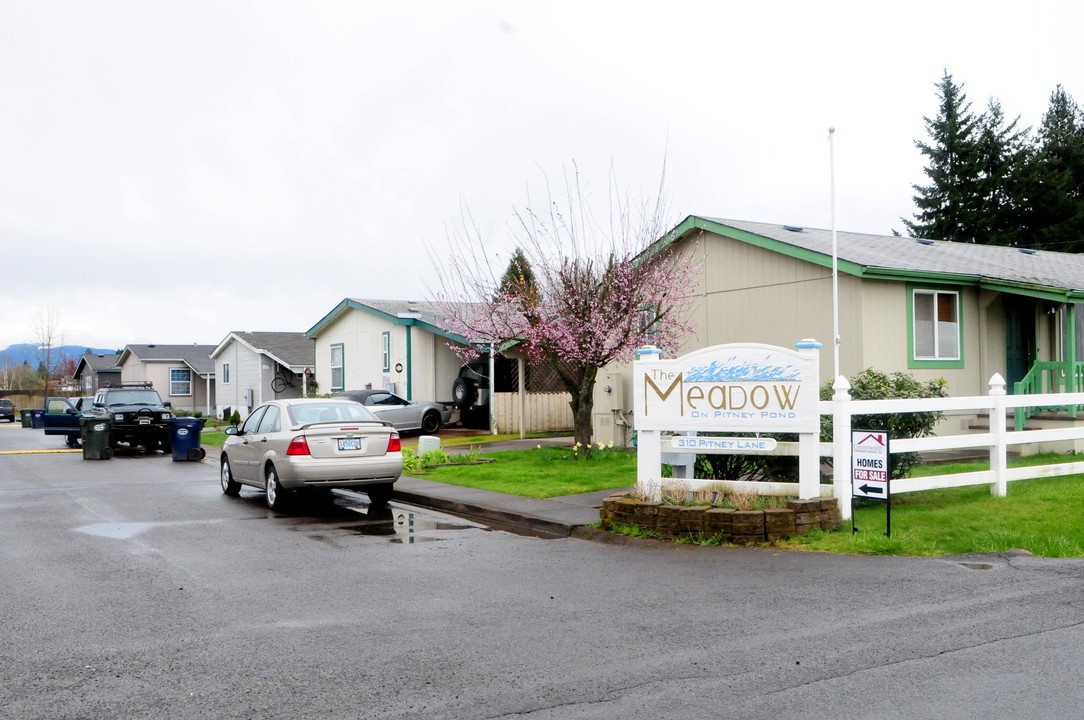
(235, 419)
(873, 385)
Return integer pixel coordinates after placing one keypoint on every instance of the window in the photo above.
(385, 350)
(647, 323)
(180, 381)
(225, 373)
(270, 421)
(336, 367)
(253, 421)
(935, 327)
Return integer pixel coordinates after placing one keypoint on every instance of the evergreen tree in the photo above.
(1003, 160)
(1052, 193)
(518, 278)
(948, 205)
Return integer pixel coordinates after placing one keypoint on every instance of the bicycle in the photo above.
(281, 381)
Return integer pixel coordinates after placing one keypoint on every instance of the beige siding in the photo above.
(433, 370)
(543, 412)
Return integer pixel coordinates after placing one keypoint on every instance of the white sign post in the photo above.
(740, 388)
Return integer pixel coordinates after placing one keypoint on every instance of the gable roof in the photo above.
(290, 349)
(1038, 273)
(197, 357)
(425, 315)
(98, 362)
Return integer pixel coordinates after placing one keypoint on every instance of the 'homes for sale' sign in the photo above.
(729, 388)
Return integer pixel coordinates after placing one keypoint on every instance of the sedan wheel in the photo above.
(378, 494)
(430, 423)
(229, 485)
(276, 496)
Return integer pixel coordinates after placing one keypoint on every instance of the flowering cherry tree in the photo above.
(590, 295)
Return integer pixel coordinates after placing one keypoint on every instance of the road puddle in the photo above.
(977, 565)
(116, 530)
(412, 528)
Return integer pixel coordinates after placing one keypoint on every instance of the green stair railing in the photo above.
(1048, 377)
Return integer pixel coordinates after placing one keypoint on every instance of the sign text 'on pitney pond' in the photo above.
(729, 388)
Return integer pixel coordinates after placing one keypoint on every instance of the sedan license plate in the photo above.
(350, 443)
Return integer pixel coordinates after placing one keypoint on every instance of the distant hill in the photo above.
(28, 352)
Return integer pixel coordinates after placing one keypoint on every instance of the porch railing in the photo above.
(1048, 377)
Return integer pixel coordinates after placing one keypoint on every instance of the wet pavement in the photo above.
(547, 518)
(550, 518)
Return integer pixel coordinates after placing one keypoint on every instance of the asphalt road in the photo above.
(132, 588)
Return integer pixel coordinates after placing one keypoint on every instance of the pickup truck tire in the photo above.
(463, 393)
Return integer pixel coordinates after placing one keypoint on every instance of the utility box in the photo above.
(428, 443)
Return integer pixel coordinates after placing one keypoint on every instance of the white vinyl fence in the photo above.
(996, 441)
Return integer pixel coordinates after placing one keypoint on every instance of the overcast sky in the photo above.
(171, 171)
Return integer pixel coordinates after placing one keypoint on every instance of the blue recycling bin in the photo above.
(37, 419)
(184, 437)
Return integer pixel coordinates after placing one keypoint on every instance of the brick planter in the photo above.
(735, 526)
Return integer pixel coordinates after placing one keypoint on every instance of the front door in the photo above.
(1019, 338)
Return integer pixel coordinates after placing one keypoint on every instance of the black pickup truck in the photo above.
(137, 415)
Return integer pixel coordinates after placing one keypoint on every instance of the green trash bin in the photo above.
(95, 433)
(25, 417)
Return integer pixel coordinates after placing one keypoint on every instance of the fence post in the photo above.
(648, 445)
(841, 445)
(998, 449)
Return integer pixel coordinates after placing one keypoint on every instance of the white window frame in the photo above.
(339, 368)
(176, 385)
(225, 373)
(936, 329)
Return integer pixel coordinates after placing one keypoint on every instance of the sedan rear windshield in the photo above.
(134, 397)
(331, 412)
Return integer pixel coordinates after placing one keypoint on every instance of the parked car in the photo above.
(7, 411)
(402, 413)
(311, 443)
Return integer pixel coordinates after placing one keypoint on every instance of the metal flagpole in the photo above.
(835, 255)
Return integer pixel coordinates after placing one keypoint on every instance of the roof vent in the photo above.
(923, 241)
(1027, 251)
(793, 228)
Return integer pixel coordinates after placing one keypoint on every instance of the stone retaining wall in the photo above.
(735, 526)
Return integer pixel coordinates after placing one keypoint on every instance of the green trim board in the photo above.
(938, 364)
(351, 304)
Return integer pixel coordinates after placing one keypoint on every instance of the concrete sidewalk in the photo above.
(552, 518)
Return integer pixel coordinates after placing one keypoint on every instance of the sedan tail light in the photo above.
(298, 446)
(393, 443)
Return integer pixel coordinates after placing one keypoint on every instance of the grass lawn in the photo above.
(540, 472)
(1042, 516)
